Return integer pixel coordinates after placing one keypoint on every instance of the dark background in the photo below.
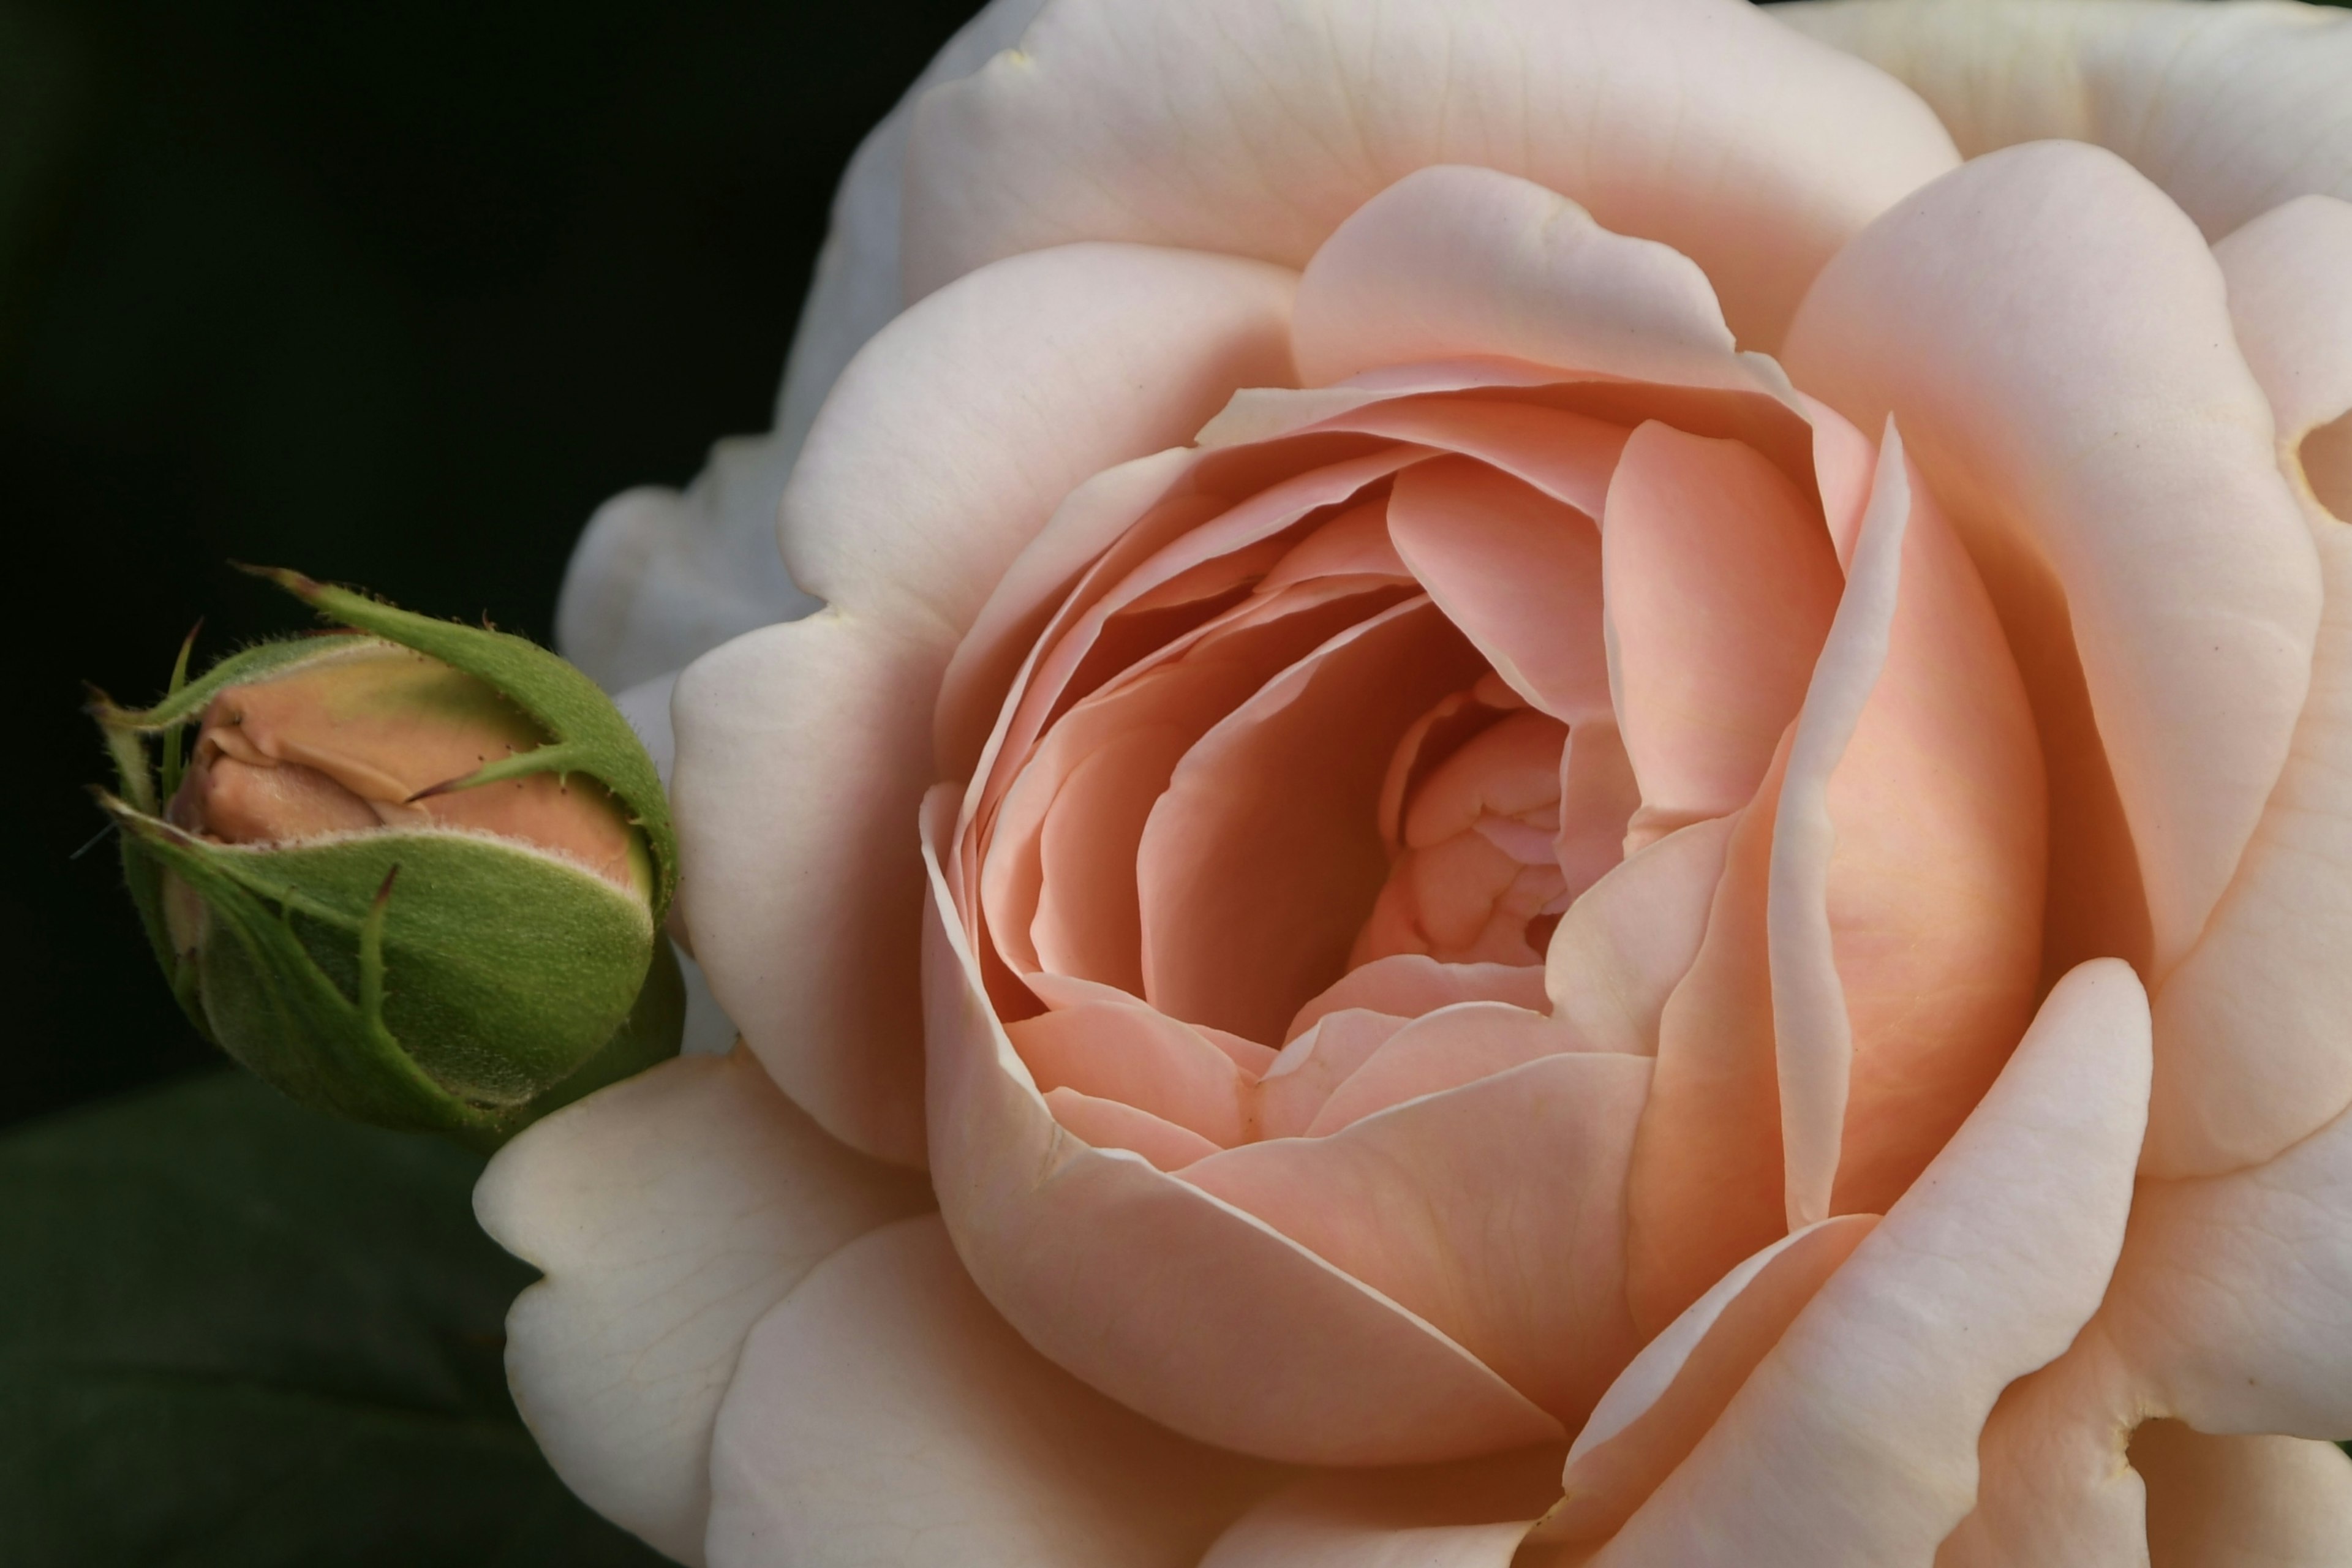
(395, 294)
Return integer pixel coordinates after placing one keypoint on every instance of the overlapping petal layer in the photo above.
(669, 1211)
(2232, 109)
(1256, 129)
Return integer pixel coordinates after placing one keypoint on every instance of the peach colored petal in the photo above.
(1259, 861)
(2252, 1052)
(1083, 799)
(883, 1414)
(1438, 1052)
(1133, 1053)
(1720, 584)
(1471, 1515)
(1089, 522)
(1256, 127)
(1566, 456)
(1844, 463)
(1456, 262)
(1172, 1302)
(1707, 1186)
(1517, 571)
(667, 1212)
(1813, 1035)
(1622, 948)
(1311, 1066)
(1410, 985)
(2230, 108)
(1854, 1440)
(1667, 1398)
(1598, 797)
(1114, 1124)
(1353, 544)
(1183, 532)
(1496, 1211)
(2052, 333)
(804, 749)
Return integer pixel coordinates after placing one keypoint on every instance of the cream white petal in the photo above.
(2232, 107)
(2252, 1050)
(884, 1417)
(668, 1212)
(1255, 126)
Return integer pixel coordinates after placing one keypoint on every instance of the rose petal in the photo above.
(804, 749)
(668, 1212)
(1667, 1398)
(2252, 1052)
(1410, 985)
(1136, 1055)
(1854, 1440)
(883, 1414)
(1317, 1062)
(1622, 948)
(1256, 129)
(1454, 261)
(1260, 860)
(1438, 1052)
(1517, 571)
(1471, 1515)
(2231, 1302)
(1113, 1124)
(2053, 335)
(1707, 1186)
(1496, 1211)
(1721, 585)
(2231, 109)
(1167, 1299)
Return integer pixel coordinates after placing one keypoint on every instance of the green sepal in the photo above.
(421, 978)
(586, 733)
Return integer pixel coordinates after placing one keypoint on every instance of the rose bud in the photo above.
(410, 871)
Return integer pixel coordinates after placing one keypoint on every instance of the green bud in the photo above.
(413, 872)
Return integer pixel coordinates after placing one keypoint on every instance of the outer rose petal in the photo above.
(1471, 1515)
(2233, 1300)
(1255, 128)
(2053, 336)
(1166, 1298)
(885, 1415)
(804, 749)
(1854, 1441)
(2252, 1051)
(1453, 261)
(668, 1212)
(661, 577)
(2076, 1474)
(2231, 109)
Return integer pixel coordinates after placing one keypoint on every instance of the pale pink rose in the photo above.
(1555, 803)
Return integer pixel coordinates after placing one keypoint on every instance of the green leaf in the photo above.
(237, 1334)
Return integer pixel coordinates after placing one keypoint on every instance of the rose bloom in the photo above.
(1575, 786)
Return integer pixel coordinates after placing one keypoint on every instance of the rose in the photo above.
(1245, 1101)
